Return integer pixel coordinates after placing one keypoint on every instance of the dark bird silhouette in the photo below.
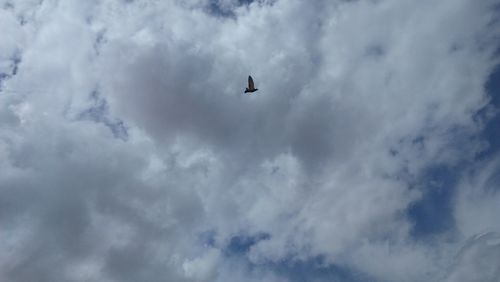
(251, 88)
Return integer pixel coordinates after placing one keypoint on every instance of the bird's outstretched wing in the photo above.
(250, 83)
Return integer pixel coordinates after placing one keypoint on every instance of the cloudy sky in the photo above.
(370, 152)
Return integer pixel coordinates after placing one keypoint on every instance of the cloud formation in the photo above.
(128, 151)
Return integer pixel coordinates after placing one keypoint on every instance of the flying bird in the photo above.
(251, 87)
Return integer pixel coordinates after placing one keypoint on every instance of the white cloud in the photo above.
(478, 200)
(478, 260)
(355, 100)
(202, 268)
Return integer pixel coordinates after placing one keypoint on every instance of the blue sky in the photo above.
(129, 152)
(490, 134)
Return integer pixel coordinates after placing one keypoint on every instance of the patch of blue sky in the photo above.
(11, 69)
(491, 132)
(219, 9)
(292, 269)
(99, 112)
(432, 214)
(315, 269)
(241, 244)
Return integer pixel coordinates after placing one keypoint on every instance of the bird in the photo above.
(251, 88)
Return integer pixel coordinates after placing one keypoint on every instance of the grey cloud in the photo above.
(306, 160)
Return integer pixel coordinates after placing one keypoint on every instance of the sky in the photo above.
(129, 152)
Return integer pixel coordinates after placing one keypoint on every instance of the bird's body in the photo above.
(251, 88)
